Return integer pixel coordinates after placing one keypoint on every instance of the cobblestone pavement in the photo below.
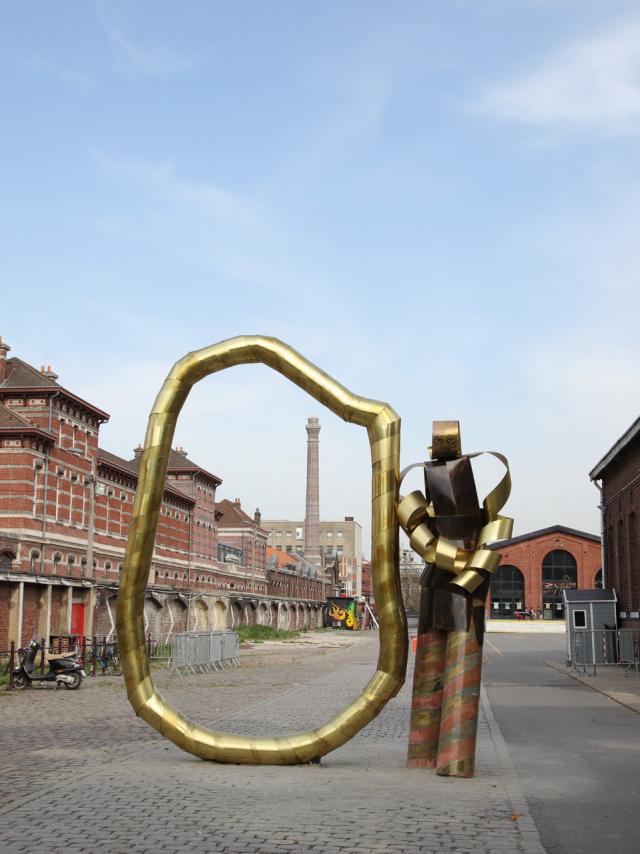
(81, 773)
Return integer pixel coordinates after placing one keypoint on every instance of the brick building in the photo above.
(243, 543)
(411, 568)
(618, 477)
(65, 509)
(537, 567)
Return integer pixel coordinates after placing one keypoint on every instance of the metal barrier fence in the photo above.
(604, 648)
(204, 651)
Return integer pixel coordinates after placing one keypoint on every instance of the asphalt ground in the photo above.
(576, 751)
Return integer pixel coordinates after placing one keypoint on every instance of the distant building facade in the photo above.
(367, 581)
(537, 567)
(338, 540)
(411, 568)
(618, 477)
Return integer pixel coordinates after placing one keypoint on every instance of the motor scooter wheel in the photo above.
(77, 681)
(20, 681)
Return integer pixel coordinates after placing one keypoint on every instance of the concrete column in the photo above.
(312, 515)
(16, 599)
(44, 613)
(64, 624)
(90, 599)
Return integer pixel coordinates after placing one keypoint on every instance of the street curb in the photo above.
(593, 687)
(531, 841)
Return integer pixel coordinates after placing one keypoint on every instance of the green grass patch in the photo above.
(257, 634)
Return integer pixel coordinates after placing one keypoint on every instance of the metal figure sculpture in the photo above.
(447, 526)
(466, 565)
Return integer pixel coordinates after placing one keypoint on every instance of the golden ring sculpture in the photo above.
(383, 429)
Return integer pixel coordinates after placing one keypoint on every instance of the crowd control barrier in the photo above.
(604, 648)
(203, 651)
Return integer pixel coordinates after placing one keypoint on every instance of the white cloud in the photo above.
(151, 58)
(41, 64)
(594, 82)
(161, 180)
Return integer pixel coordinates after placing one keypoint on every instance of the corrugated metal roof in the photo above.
(613, 452)
(597, 595)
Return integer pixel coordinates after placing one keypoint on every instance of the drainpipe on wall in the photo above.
(46, 484)
(598, 486)
(90, 481)
(44, 509)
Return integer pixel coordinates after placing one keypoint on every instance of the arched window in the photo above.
(57, 558)
(6, 561)
(598, 579)
(559, 572)
(33, 557)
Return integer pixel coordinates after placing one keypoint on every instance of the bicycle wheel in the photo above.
(114, 666)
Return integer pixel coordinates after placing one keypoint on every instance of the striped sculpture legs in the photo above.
(446, 700)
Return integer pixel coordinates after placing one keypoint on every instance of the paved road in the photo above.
(81, 774)
(576, 752)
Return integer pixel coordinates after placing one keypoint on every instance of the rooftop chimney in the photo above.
(180, 450)
(48, 373)
(4, 349)
(138, 452)
(257, 517)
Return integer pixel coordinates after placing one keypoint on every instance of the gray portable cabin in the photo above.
(588, 611)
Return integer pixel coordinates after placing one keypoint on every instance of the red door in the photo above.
(77, 619)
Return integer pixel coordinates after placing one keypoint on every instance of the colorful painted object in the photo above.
(342, 613)
(450, 529)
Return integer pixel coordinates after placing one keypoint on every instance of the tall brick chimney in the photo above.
(4, 349)
(312, 514)
(257, 517)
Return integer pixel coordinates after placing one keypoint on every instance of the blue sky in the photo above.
(436, 202)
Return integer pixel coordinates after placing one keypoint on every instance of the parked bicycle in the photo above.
(107, 658)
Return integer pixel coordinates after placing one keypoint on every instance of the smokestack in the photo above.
(257, 517)
(4, 349)
(312, 515)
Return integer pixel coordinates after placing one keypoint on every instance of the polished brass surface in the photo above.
(451, 531)
(446, 443)
(467, 567)
(383, 428)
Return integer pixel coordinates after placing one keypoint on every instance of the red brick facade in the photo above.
(619, 474)
(66, 503)
(534, 555)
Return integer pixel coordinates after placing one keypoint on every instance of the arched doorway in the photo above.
(237, 615)
(263, 614)
(597, 582)
(153, 616)
(559, 572)
(220, 615)
(273, 622)
(200, 616)
(507, 592)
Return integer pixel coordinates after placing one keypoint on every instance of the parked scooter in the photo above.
(64, 669)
